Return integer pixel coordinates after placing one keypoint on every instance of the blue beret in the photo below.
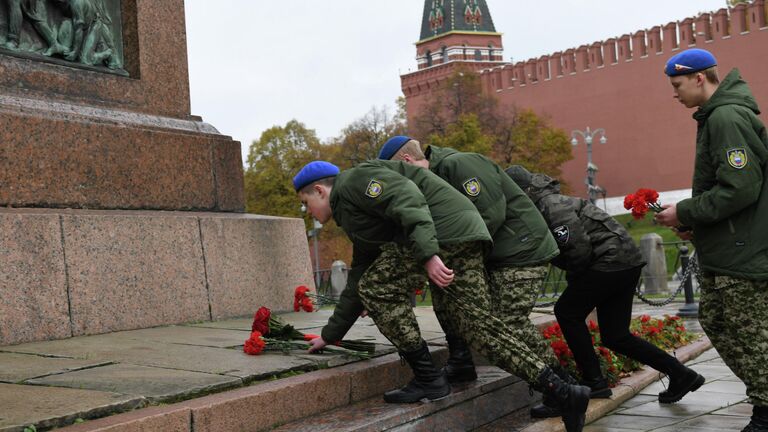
(690, 61)
(313, 172)
(392, 146)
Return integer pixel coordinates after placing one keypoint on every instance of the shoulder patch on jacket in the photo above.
(562, 234)
(737, 157)
(472, 187)
(374, 189)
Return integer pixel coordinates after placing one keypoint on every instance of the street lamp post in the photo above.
(315, 233)
(588, 136)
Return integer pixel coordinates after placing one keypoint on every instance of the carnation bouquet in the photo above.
(642, 201)
(269, 332)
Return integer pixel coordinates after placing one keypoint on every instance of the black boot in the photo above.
(598, 386)
(680, 384)
(428, 382)
(549, 407)
(759, 421)
(459, 368)
(572, 399)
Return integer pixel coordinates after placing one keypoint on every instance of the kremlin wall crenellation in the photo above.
(617, 84)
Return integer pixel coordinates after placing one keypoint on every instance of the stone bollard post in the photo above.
(655, 272)
(338, 278)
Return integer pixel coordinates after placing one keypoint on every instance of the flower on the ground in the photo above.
(281, 335)
(307, 305)
(299, 296)
(261, 321)
(642, 201)
(255, 344)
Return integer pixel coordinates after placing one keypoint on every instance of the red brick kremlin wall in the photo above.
(619, 85)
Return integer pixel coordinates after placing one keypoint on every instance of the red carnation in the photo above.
(261, 321)
(642, 201)
(298, 297)
(629, 201)
(255, 344)
(307, 305)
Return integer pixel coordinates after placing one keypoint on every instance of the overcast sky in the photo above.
(254, 64)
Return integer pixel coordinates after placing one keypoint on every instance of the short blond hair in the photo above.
(412, 148)
(711, 75)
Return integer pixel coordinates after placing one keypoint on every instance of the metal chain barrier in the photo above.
(693, 266)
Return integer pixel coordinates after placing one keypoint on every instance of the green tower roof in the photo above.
(445, 16)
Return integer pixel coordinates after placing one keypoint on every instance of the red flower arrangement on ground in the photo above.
(642, 201)
(301, 300)
(255, 344)
(281, 336)
(666, 333)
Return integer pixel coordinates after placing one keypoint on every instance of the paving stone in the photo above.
(674, 411)
(742, 409)
(230, 324)
(155, 384)
(633, 422)
(48, 407)
(15, 368)
(121, 348)
(723, 386)
(710, 399)
(716, 422)
(591, 428)
(639, 400)
(219, 338)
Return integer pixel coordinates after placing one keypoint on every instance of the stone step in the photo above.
(494, 395)
(344, 398)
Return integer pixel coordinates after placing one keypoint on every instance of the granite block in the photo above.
(254, 261)
(154, 419)
(15, 368)
(92, 163)
(259, 407)
(155, 384)
(122, 348)
(48, 407)
(33, 286)
(133, 271)
(228, 169)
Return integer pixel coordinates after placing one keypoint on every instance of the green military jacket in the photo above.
(520, 234)
(729, 207)
(378, 202)
(589, 238)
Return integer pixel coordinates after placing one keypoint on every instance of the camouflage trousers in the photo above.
(513, 292)
(385, 291)
(733, 312)
(464, 308)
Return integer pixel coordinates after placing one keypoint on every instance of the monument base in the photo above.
(81, 272)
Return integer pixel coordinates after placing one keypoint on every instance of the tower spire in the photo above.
(447, 16)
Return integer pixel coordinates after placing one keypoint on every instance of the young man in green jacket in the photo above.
(728, 215)
(406, 225)
(522, 244)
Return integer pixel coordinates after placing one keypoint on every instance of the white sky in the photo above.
(254, 64)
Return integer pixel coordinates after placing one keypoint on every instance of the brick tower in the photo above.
(453, 33)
